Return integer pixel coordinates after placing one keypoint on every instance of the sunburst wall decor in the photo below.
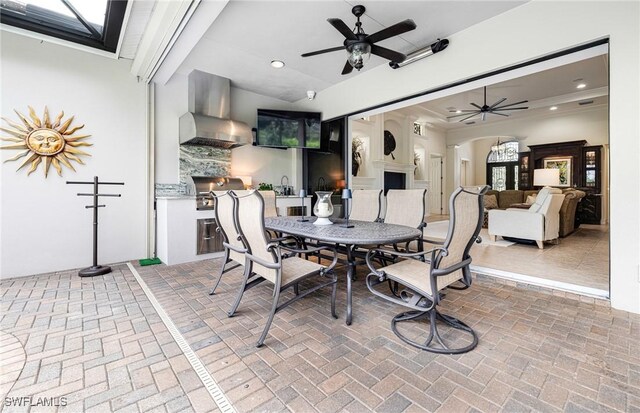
(53, 141)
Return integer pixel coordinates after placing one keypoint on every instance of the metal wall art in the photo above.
(51, 140)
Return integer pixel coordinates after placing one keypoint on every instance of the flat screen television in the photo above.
(288, 129)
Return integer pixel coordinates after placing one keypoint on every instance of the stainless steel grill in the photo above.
(206, 184)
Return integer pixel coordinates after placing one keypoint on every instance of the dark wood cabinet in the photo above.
(586, 173)
(590, 207)
(525, 172)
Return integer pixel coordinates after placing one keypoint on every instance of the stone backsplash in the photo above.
(196, 160)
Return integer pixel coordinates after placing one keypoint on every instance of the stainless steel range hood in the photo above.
(207, 122)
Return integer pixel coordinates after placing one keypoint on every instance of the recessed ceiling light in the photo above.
(581, 86)
(553, 108)
(278, 64)
(458, 111)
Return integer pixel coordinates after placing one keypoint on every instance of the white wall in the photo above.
(44, 226)
(263, 164)
(566, 24)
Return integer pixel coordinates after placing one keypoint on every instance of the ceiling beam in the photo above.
(199, 24)
(164, 27)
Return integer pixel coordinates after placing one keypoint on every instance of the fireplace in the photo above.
(394, 180)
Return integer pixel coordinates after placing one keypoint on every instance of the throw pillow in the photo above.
(490, 202)
(531, 199)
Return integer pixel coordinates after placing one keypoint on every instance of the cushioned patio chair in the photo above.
(274, 262)
(225, 218)
(423, 275)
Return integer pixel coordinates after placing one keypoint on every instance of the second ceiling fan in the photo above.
(485, 109)
(360, 45)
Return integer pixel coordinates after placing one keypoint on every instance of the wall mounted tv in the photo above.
(288, 129)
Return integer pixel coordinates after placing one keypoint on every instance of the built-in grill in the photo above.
(208, 238)
(206, 184)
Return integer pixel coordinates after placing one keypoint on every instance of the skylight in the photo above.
(94, 23)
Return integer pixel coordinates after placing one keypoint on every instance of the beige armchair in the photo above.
(541, 222)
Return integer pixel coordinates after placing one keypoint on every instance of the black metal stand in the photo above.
(95, 269)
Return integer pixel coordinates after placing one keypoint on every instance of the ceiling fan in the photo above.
(360, 45)
(484, 109)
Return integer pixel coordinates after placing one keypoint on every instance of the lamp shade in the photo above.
(546, 177)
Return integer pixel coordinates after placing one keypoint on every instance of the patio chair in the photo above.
(274, 262)
(270, 209)
(406, 207)
(225, 218)
(423, 275)
(365, 205)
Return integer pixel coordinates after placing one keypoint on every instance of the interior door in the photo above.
(435, 195)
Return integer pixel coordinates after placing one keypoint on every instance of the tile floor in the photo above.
(582, 258)
(99, 343)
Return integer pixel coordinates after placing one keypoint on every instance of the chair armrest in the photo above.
(234, 248)
(422, 254)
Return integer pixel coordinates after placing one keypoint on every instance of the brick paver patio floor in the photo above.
(99, 343)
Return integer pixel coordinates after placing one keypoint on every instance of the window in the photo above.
(503, 152)
(502, 166)
(93, 23)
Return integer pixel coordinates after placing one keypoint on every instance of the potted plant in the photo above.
(356, 157)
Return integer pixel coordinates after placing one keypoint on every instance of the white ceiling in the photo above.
(553, 87)
(249, 34)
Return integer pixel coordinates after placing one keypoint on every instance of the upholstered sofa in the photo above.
(567, 210)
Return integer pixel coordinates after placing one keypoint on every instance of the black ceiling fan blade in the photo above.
(475, 112)
(388, 54)
(501, 114)
(503, 108)
(331, 49)
(497, 103)
(343, 28)
(347, 68)
(473, 104)
(513, 104)
(469, 117)
(398, 28)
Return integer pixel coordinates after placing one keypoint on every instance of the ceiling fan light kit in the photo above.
(360, 46)
(495, 109)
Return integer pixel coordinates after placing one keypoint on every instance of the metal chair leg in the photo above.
(434, 316)
(333, 295)
(226, 261)
(274, 308)
(247, 273)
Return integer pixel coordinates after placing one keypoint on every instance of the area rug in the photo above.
(438, 231)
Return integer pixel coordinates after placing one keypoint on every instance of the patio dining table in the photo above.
(361, 234)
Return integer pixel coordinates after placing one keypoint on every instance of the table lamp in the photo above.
(303, 195)
(546, 177)
(346, 196)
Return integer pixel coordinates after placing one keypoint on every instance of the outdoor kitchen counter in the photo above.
(177, 220)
